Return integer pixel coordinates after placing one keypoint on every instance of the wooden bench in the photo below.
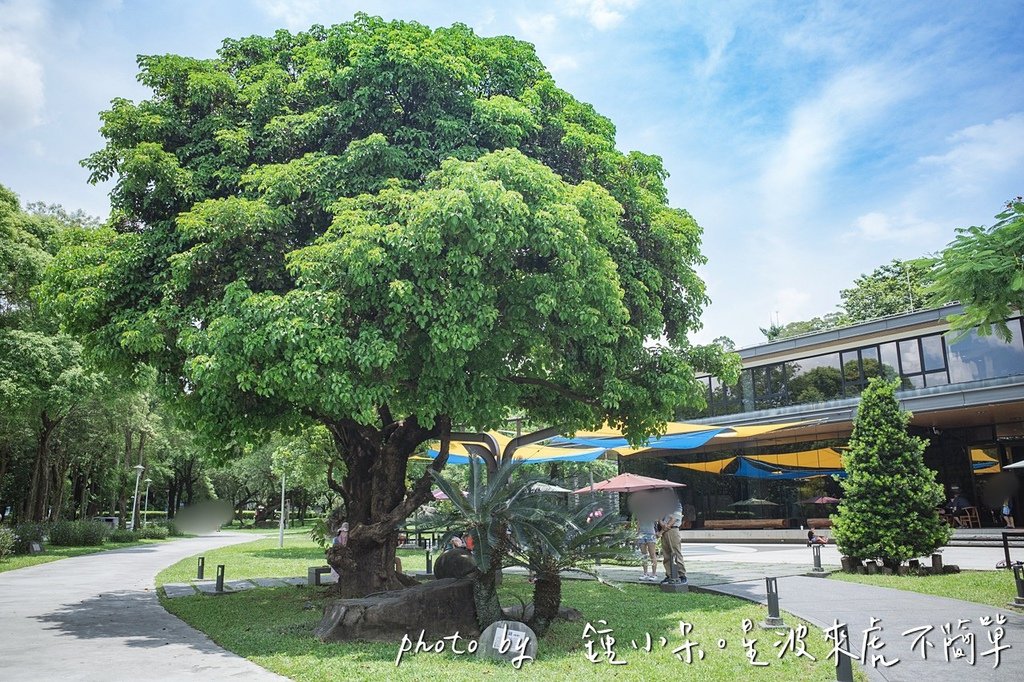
(746, 524)
(819, 523)
(315, 573)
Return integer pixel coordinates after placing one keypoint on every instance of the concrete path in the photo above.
(97, 617)
(822, 602)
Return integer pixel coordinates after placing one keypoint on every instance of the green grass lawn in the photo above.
(263, 559)
(294, 530)
(273, 627)
(995, 588)
(57, 553)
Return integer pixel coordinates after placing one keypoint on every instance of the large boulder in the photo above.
(440, 608)
(454, 563)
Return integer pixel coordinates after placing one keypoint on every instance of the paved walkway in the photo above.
(97, 617)
(822, 603)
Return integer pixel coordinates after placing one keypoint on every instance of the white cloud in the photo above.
(980, 152)
(602, 14)
(877, 226)
(21, 72)
(819, 132)
(295, 14)
(534, 26)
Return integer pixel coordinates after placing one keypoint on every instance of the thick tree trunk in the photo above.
(485, 597)
(547, 598)
(376, 498)
(40, 478)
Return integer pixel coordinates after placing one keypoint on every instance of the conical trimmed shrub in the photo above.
(890, 497)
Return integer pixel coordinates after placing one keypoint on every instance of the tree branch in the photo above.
(556, 388)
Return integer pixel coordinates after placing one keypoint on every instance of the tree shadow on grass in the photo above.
(266, 623)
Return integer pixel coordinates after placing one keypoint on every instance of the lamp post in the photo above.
(135, 498)
(280, 536)
(145, 515)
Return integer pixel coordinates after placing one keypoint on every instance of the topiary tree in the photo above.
(890, 496)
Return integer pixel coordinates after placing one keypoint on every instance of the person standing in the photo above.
(1008, 514)
(645, 541)
(670, 546)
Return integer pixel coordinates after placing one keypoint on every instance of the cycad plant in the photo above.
(502, 517)
(567, 539)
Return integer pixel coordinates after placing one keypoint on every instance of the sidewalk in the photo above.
(97, 617)
(821, 603)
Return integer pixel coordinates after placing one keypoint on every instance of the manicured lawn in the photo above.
(57, 553)
(269, 530)
(273, 627)
(995, 588)
(263, 559)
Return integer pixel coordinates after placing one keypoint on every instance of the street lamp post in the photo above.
(145, 515)
(135, 498)
(280, 536)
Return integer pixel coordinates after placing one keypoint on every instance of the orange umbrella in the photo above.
(629, 483)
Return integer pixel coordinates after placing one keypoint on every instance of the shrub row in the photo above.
(77, 533)
(7, 543)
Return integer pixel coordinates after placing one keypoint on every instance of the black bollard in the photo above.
(1018, 577)
(774, 619)
(430, 563)
(220, 578)
(200, 570)
(844, 663)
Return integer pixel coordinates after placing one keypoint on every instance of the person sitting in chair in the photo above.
(956, 505)
(815, 539)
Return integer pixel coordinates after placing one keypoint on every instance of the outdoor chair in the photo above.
(968, 518)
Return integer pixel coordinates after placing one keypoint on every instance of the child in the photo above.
(645, 542)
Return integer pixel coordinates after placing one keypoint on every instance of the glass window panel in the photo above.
(816, 379)
(916, 381)
(910, 356)
(932, 347)
(869, 363)
(851, 373)
(747, 389)
(986, 357)
(890, 360)
(936, 378)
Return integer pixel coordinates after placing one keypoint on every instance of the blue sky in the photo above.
(812, 141)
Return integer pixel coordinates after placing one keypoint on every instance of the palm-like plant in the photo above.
(502, 517)
(574, 539)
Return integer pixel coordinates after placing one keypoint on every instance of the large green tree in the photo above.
(888, 510)
(983, 268)
(384, 229)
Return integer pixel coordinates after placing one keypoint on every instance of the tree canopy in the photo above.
(983, 268)
(384, 228)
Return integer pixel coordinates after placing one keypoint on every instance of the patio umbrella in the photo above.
(548, 488)
(753, 502)
(1018, 465)
(628, 483)
(823, 499)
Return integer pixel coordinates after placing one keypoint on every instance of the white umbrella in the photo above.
(1018, 465)
(547, 488)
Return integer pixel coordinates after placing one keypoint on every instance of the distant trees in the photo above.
(890, 289)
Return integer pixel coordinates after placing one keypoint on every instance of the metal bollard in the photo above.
(1018, 577)
(201, 569)
(774, 619)
(816, 551)
(844, 663)
(220, 577)
(430, 563)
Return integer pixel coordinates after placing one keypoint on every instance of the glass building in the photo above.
(966, 393)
